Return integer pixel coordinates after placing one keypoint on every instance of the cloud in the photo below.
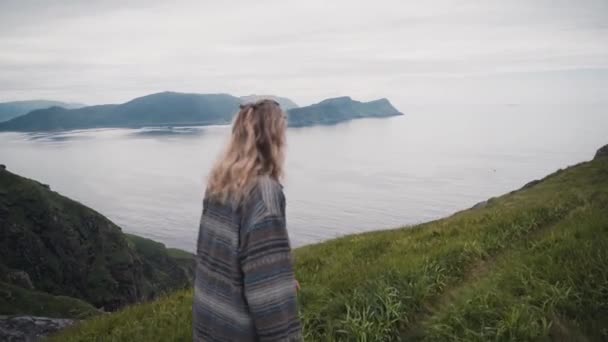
(104, 51)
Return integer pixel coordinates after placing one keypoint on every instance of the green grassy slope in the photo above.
(530, 265)
(56, 245)
(16, 300)
(164, 268)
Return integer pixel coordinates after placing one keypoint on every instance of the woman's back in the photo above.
(245, 287)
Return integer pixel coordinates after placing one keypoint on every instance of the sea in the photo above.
(357, 176)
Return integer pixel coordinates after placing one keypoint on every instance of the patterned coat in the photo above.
(245, 287)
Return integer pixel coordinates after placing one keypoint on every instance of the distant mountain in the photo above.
(285, 103)
(340, 109)
(9, 110)
(179, 109)
(161, 109)
(54, 245)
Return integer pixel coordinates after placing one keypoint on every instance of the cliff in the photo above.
(54, 245)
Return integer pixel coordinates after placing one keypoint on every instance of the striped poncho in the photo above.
(245, 287)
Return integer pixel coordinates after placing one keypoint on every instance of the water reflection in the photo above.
(58, 137)
(167, 132)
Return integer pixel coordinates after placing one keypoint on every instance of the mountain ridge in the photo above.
(339, 109)
(186, 109)
(13, 109)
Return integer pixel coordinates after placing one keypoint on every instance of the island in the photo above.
(335, 110)
(182, 109)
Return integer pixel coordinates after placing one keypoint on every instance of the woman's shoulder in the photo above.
(268, 183)
(268, 192)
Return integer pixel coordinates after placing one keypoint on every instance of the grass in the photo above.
(555, 286)
(532, 265)
(179, 254)
(17, 300)
(166, 269)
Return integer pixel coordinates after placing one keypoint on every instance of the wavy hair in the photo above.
(256, 148)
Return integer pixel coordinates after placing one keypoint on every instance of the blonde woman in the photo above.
(245, 288)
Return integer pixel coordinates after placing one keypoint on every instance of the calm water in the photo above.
(362, 175)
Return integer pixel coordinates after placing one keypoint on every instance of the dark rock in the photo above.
(30, 328)
(602, 152)
(2, 167)
(21, 279)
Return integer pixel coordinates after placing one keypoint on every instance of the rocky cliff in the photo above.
(52, 244)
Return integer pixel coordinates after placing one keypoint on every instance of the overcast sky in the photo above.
(413, 52)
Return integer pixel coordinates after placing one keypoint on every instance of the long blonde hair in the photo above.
(256, 148)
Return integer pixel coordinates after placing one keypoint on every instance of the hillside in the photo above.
(340, 109)
(9, 110)
(56, 248)
(530, 265)
(160, 109)
(16, 300)
(179, 109)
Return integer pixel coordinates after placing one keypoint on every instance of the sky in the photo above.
(412, 52)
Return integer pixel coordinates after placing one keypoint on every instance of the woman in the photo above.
(245, 288)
